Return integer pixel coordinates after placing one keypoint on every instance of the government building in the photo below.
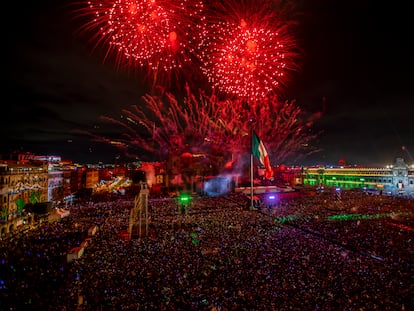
(35, 188)
(396, 179)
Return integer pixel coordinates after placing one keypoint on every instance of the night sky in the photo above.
(358, 60)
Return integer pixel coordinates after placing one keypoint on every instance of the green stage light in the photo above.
(184, 198)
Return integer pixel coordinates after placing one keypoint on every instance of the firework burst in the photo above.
(250, 51)
(166, 127)
(161, 36)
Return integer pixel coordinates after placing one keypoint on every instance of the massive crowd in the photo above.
(309, 253)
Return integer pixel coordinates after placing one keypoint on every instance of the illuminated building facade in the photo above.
(396, 179)
(21, 183)
(91, 178)
(55, 184)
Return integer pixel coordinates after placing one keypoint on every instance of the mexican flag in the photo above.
(259, 151)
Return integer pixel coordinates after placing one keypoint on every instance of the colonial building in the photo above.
(91, 178)
(55, 183)
(21, 183)
(396, 179)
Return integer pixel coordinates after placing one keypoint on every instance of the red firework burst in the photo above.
(250, 51)
(158, 35)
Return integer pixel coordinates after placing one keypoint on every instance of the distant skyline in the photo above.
(358, 59)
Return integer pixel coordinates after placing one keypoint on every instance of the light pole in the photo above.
(251, 121)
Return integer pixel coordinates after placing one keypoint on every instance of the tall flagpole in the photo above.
(251, 164)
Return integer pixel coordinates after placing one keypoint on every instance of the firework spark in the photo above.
(250, 51)
(166, 126)
(284, 126)
(203, 124)
(161, 36)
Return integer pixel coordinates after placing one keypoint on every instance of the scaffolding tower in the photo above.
(138, 217)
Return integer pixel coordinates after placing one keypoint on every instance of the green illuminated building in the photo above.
(396, 179)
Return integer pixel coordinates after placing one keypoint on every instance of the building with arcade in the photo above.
(395, 179)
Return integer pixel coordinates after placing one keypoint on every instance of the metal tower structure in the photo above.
(138, 217)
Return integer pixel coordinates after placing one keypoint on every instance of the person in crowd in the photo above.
(299, 254)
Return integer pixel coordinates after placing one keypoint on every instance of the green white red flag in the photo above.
(259, 151)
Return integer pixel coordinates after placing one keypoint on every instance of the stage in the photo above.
(263, 189)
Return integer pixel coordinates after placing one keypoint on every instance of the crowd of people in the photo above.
(313, 252)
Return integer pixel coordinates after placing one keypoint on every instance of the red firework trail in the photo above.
(158, 35)
(250, 51)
